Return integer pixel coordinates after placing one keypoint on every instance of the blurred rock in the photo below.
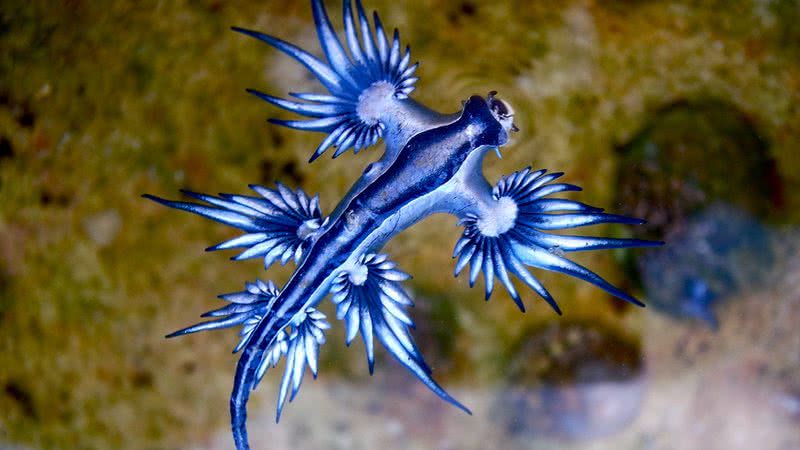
(707, 259)
(691, 155)
(571, 381)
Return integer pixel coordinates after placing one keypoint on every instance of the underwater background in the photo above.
(686, 113)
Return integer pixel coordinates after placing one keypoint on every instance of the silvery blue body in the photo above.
(421, 180)
(432, 163)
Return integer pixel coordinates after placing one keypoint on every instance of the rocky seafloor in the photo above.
(658, 109)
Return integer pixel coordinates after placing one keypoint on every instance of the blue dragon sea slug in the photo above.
(432, 163)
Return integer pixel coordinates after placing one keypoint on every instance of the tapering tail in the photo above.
(295, 334)
(245, 371)
(245, 378)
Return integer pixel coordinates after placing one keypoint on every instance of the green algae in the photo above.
(103, 101)
(570, 380)
(572, 352)
(693, 154)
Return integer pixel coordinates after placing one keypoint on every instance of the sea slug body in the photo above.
(432, 164)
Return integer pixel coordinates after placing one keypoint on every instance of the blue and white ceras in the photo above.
(432, 163)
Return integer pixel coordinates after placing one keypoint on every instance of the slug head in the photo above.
(502, 111)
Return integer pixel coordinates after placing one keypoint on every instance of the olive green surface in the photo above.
(101, 102)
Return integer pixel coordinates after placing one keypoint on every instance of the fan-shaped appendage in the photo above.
(361, 84)
(505, 246)
(299, 342)
(279, 224)
(246, 308)
(370, 299)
